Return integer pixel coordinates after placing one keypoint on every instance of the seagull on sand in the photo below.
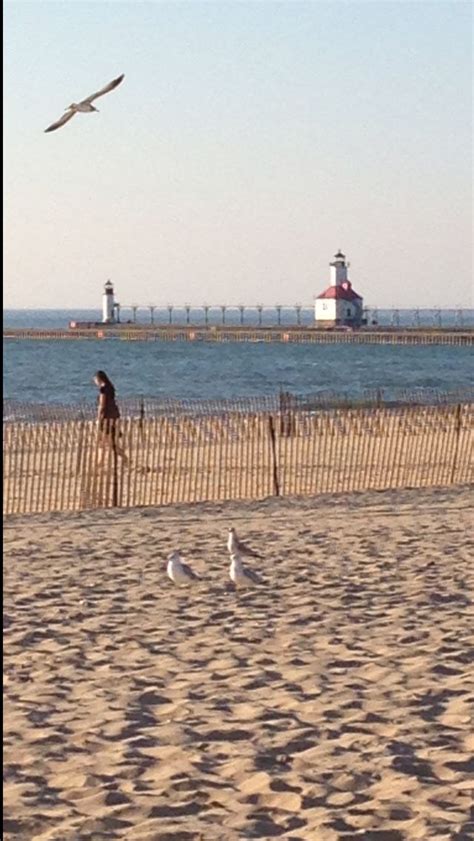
(179, 572)
(85, 105)
(242, 576)
(238, 547)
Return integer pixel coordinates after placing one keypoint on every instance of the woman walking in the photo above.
(108, 413)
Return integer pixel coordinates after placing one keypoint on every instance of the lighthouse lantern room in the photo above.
(108, 304)
(339, 304)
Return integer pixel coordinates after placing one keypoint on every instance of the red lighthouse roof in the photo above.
(344, 292)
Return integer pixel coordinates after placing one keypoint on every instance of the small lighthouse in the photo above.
(108, 304)
(339, 304)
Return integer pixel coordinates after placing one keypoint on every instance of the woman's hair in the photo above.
(103, 378)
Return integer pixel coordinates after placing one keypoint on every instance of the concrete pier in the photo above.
(226, 333)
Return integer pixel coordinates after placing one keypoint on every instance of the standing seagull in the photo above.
(237, 547)
(85, 104)
(240, 575)
(179, 572)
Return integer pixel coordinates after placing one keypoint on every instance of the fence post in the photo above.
(287, 423)
(456, 449)
(276, 484)
(141, 416)
(114, 446)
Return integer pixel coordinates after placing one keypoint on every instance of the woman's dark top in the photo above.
(110, 409)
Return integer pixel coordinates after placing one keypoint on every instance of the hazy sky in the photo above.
(248, 142)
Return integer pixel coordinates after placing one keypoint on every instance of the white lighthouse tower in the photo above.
(108, 304)
(338, 269)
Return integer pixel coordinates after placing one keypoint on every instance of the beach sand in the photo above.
(330, 703)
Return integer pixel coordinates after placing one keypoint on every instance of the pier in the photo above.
(237, 333)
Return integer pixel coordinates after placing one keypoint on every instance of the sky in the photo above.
(248, 142)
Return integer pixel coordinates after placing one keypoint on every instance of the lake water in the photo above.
(58, 371)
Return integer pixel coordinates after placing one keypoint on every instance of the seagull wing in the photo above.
(249, 573)
(61, 122)
(246, 550)
(113, 84)
(189, 572)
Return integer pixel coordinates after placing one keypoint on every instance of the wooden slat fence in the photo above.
(162, 460)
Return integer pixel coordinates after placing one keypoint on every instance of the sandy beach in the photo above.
(332, 702)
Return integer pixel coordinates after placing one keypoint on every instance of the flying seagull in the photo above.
(85, 105)
(178, 571)
(236, 546)
(240, 575)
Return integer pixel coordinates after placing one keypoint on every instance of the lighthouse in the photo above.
(108, 304)
(339, 304)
